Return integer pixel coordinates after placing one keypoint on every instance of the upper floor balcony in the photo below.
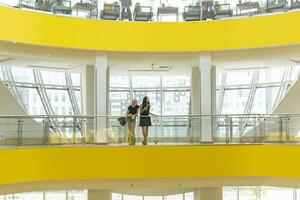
(156, 10)
(22, 131)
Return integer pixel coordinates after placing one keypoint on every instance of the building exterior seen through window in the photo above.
(260, 193)
(48, 195)
(180, 196)
(169, 95)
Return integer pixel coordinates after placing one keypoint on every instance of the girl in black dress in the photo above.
(145, 120)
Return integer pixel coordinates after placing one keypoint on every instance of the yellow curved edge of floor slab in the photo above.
(67, 32)
(91, 163)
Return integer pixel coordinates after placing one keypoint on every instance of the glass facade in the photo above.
(180, 196)
(28, 88)
(168, 95)
(253, 91)
(260, 193)
(48, 195)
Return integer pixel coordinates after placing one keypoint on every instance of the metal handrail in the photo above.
(43, 130)
(158, 116)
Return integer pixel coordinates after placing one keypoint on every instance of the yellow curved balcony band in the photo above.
(48, 30)
(116, 163)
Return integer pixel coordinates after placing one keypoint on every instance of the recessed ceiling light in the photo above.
(47, 55)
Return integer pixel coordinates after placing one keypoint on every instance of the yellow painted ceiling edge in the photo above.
(110, 163)
(67, 32)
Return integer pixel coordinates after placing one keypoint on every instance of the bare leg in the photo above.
(145, 134)
(144, 129)
(147, 129)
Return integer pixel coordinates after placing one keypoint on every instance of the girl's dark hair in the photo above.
(144, 103)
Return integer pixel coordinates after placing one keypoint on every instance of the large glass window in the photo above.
(146, 81)
(119, 101)
(55, 195)
(31, 100)
(25, 87)
(242, 84)
(60, 101)
(176, 102)
(22, 74)
(180, 196)
(48, 195)
(259, 193)
(119, 82)
(239, 77)
(53, 78)
(168, 95)
(230, 193)
(276, 193)
(154, 98)
(235, 101)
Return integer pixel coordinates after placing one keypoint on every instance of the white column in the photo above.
(207, 95)
(101, 96)
(88, 101)
(99, 195)
(87, 90)
(195, 88)
(209, 193)
(195, 104)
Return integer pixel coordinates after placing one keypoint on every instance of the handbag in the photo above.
(122, 121)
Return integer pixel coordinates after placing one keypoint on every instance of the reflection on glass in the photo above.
(145, 81)
(180, 196)
(153, 198)
(78, 98)
(239, 77)
(174, 197)
(28, 196)
(276, 193)
(31, 100)
(55, 195)
(230, 193)
(248, 193)
(116, 196)
(264, 100)
(176, 102)
(60, 101)
(259, 193)
(119, 81)
(76, 195)
(271, 75)
(235, 101)
(132, 197)
(75, 79)
(189, 196)
(154, 98)
(119, 102)
(176, 81)
(22, 74)
(54, 78)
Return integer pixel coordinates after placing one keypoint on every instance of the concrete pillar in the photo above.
(99, 195)
(210, 193)
(207, 95)
(195, 104)
(88, 90)
(195, 88)
(88, 101)
(101, 96)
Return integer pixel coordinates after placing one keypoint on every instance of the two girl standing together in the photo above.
(145, 121)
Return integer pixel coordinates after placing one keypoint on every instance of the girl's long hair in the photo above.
(144, 103)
